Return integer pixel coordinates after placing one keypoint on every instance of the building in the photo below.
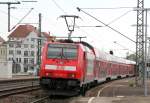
(3, 50)
(1, 40)
(22, 47)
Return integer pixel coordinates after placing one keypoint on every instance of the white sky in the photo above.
(102, 37)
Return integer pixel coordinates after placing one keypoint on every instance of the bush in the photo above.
(131, 83)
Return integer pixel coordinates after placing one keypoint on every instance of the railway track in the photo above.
(58, 99)
(23, 89)
(11, 87)
(40, 100)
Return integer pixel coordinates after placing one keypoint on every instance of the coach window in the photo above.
(110, 65)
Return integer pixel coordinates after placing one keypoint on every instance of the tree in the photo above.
(131, 57)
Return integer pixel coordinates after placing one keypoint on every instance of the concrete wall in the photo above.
(5, 69)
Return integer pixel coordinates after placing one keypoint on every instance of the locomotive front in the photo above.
(61, 68)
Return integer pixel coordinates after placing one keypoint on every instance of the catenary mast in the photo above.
(140, 63)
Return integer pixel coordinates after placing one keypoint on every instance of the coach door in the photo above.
(89, 66)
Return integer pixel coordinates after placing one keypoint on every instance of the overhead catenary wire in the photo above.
(119, 17)
(123, 47)
(61, 9)
(106, 24)
(23, 18)
(115, 8)
(59, 6)
(109, 8)
(7, 14)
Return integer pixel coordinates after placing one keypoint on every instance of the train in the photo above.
(70, 68)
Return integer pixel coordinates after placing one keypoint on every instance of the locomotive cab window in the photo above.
(62, 51)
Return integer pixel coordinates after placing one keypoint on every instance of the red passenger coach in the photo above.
(70, 68)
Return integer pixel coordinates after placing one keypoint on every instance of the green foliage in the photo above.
(131, 83)
(131, 57)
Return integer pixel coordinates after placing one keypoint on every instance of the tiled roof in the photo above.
(22, 31)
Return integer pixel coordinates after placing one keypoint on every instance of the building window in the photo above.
(32, 53)
(11, 52)
(25, 53)
(11, 45)
(32, 61)
(25, 60)
(10, 59)
(12, 38)
(25, 68)
(32, 39)
(2, 52)
(19, 60)
(18, 45)
(25, 45)
(19, 52)
(32, 46)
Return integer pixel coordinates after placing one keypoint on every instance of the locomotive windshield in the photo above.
(62, 51)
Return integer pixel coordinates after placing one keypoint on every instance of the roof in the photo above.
(45, 34)
(1, 39)
(22, 31)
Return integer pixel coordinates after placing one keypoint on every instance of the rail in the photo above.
(41, 99)
(8, 88)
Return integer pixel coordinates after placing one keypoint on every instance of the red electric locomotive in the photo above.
(70, 68)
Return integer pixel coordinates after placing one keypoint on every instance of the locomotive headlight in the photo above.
(50, 67)
(70, 68)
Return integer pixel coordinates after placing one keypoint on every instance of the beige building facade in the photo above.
(3, 50)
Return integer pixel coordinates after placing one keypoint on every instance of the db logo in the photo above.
(60, 67)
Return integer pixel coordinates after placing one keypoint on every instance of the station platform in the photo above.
(19, 77)
(120, 91)
(124, 87)
(130, 99)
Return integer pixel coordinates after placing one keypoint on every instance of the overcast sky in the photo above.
(121, 19)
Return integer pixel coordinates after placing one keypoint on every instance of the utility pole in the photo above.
(9, 3)
(145, 69)
(39, 43)
(141, 52)
(146, 54)
(140, 62)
